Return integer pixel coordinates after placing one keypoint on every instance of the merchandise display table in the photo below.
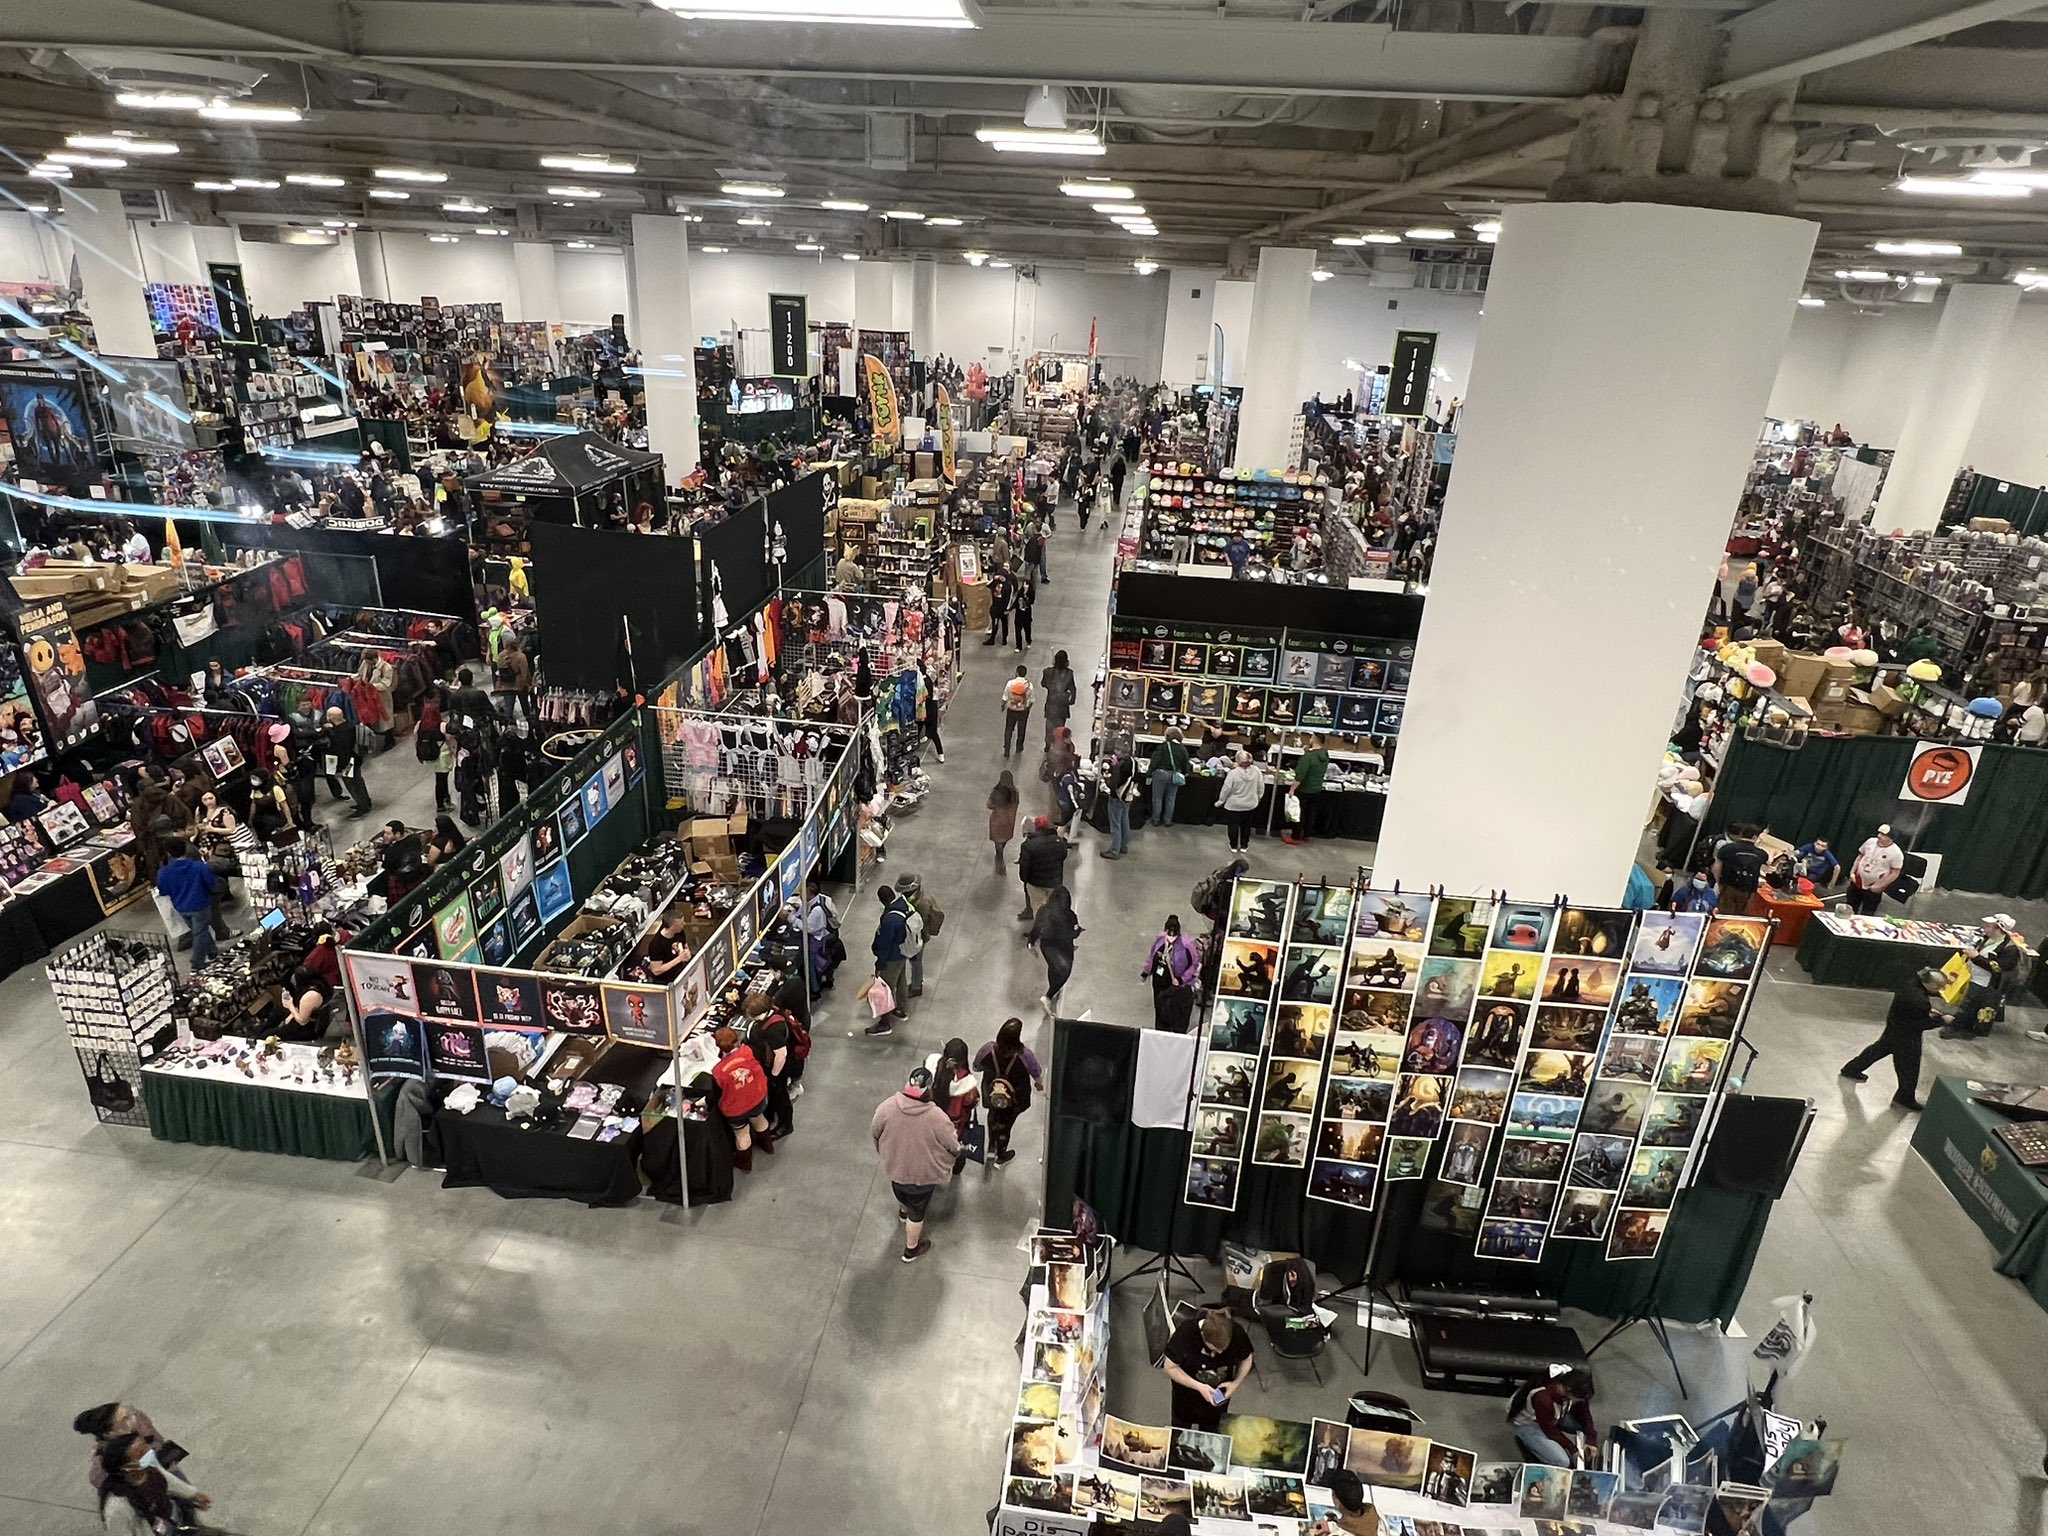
(1353, 813)
(2010, 1203)
(216, 1106)
(43, 921)
(1791, 912)
(483, 1148)
(1875, 951)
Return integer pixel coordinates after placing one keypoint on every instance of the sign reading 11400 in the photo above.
(1408, 385)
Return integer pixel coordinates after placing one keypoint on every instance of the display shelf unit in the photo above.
(118, 995)
(1190, 515)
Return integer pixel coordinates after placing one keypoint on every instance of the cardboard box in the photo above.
(924, 465)
(1888, 701)
(1837, 681)
(1772, 654)
(1802, 674)
(1859, 719)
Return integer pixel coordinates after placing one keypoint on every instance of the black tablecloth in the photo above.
(1353, 813)
(1839, 960)
(482, 1148)
(711, 1167)
(43, 921)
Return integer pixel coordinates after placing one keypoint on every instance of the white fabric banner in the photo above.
(1163, 1091)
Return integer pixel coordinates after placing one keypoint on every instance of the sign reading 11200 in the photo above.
(1408, 385)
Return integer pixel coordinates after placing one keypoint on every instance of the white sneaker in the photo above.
(796, 1090)
(2037, 1034)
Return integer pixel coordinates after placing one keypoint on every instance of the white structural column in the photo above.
(1023, 318)
(169, 253)
(1272, 374)
(874, 297)
(660, 267)
(1976, 320)
(1232, 315)
(540, 290)
(924, 308)
(1617, 388)
(369, 250)
(109, 270)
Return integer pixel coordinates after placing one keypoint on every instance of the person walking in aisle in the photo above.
(1052, 934)
(1002, 814)
(1309, 773)
(1169, 770)
(342, 761)
(956, 1090)
(1878, 863)
(827, 949)
(1174, 968)
(918, 1149)
(925, 918)
(1016, 711)
(931, 713)
(1117, 470)
(1041, 858)
(1034, 552)
(892, 964)
(1061, 761)
(1022, 598)
(432, 745)
(1008, 1074)
(1238, 799)
(1738, 870)
(1057, 682)
(1119, 778)
(188, 882)
(138, 1496)
(1912, 1013)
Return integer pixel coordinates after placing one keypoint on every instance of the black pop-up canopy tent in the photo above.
(574, 480)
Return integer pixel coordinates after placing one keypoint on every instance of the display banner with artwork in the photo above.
(1229, 1094)
(53, 667)
(21, 728)
(1060, 1420)
(1566, 1060)
(50, 430)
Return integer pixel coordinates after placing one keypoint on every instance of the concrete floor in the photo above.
(348, 1355)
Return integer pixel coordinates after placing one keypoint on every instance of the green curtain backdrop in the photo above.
(1133, 1178)
(1844, 787)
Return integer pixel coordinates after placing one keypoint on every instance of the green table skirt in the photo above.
(1956, 1137)
(1833, 960)
(260, 1119)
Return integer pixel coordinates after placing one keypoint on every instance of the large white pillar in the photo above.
(540, 290)
(109, 270)
(371, 278)
(1232, 315)
(215, 242)
(874, 296)
(924, 308)
(1617, 387)
(169, 253)
(1975, 322)
(659, 266)
(1272, 374)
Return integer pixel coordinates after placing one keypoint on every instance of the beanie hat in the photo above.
(918, 1085)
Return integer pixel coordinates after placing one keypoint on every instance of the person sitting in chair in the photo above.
(1553, 1420)
(1286, 1297)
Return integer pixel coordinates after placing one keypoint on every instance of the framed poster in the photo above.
(444, 991)
(457, 1051)
(510, 1000)
(552, 890)
(638, 1015)
(515, 869)
(574, 1006)
(21, 729)
(454, 928)
(397, 1043)
(56, 675)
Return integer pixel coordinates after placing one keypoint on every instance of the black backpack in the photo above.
(1742, 865)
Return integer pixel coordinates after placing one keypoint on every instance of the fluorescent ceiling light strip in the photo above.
(244, 112)
(315, 179)
(575, 194)
(593, 165)
(750, 189)
(1121, 210)
(843, 205)
(1917, 248)
(1951, 186)
(161, 101)
(409, 173)
(1105, 190)
(121, 144)
(956, 14)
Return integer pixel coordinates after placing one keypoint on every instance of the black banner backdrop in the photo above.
(796, 527)
(734, 569)
(789, 333)
(1408, 386)
(586, 579)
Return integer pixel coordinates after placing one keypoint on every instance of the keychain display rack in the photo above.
(119, 998)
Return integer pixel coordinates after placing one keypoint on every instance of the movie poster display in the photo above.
(1230, 1090)
(54, 668)
(47, 420)
(21, 729)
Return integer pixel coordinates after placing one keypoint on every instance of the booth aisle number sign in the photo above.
(789, 329)
(1940, 773)
(1408, 385)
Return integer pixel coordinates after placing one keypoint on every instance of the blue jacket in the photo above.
(189, 883)
(890, 935)
(1687, 897)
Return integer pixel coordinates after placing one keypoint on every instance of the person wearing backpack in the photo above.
(827, 949)
(342, 760)
(924, 921)
(1120, 783)
(1174, 967)
(1738, 869)
(1008, 1074)
(1016, 712)
(771, 1037)
(1169, 770)
(891, 963)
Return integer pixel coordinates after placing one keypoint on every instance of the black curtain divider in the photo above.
(1844, 787)
(735, 553)
(799, 511)
(586, 579)
(1133, 1178)
(429, 574)
(1253, 604)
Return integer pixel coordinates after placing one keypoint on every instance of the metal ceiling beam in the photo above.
(1936, 85)
(1786, 39)
(1016, 47)
(1549, 146)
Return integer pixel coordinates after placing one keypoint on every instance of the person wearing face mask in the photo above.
(139, 1497)
(1694, 894)
(111, 1421)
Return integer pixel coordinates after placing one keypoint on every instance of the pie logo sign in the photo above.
(1940, 773)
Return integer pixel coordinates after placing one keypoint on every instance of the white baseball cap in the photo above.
(2000, 920)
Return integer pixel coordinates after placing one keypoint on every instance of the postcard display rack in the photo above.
(1567, 1061)
(1166, 672)
(119, 997)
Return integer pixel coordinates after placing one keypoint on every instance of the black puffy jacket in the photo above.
(1041, 857)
